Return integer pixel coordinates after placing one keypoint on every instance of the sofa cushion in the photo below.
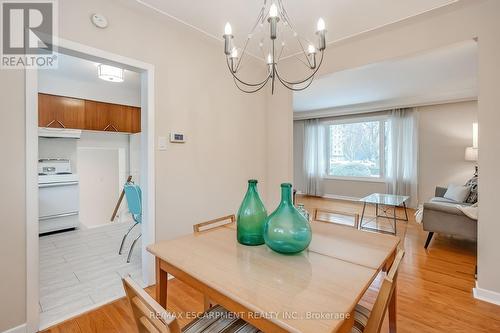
(443, 200)
(472, 183)
(458, 193)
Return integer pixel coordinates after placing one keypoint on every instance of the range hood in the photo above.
(45, 132)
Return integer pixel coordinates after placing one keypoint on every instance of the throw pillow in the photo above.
(457, 193)
(472, 183)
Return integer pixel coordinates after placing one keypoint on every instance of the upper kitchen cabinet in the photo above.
(109, 117)
(61, 112)
(92, 115)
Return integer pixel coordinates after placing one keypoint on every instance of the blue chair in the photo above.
(134, 201)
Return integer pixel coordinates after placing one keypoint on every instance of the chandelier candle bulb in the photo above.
(270, 63)
(228, 36)
(273, 20)
(321, 33)
(233, 57)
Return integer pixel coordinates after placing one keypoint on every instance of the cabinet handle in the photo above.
(53, 121)
(43, 218)
(112, 127)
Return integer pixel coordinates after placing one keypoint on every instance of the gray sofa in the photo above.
(441, 215)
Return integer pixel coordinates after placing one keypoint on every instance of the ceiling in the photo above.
(444, 74)
(344, 18)
(77, 77)
(86, 70)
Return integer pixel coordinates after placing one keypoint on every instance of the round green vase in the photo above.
(251, 217)
(286, 230)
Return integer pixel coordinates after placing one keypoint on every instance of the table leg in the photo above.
(392, 309)
(161, 284)
(362, 215)
(395, 219)
(406, 212)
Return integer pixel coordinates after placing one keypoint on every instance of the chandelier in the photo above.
(272, 49)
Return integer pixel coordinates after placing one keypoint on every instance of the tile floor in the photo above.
(81, 269)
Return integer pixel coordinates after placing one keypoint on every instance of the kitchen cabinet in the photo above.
(61, 112)
(87, 114)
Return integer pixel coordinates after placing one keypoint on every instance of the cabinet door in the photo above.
(119, 118)
(96, 116)
(60, 111)
(136, 120)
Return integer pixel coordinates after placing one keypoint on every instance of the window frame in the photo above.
(383, 123)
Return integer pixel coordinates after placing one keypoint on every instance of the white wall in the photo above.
(445, 130)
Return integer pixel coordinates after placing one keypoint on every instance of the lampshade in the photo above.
(110, 73)
(471, 154)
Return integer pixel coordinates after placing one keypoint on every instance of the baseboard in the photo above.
(17, 329)
(340, 197)
(486, 295)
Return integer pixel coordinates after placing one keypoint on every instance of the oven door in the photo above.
(58, 199)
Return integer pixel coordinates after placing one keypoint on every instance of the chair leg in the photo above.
(429, 238)
(132, 248)
(125, 237)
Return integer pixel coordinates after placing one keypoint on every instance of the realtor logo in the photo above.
(27, 34)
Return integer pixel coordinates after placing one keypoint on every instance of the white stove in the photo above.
(58, 196)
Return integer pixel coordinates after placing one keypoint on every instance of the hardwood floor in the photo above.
(434, 289)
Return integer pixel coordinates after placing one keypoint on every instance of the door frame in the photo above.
(31, 186)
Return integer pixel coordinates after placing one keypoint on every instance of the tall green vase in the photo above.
(251, 217)
(286, 230)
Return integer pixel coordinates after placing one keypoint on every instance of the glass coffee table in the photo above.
(386, 202)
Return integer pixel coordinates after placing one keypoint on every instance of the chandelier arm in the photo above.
(290, 87)
(245, 83)
(281, 53)
(306, 79)
(285, 15)
(242, 54)
(302, 61)
(249, 91)
(304, 52)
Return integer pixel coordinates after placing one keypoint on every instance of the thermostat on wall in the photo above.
(177, 138)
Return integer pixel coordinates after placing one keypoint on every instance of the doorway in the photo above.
(146, 174)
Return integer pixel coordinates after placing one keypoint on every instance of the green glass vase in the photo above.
(286, 230)
(251, 217)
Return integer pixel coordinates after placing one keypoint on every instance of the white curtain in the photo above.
(402, 154)
(314, 156)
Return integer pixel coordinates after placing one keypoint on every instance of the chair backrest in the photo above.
(337, 217)
(133, 194)
(377, 314)
(221, 221)
(149, 316)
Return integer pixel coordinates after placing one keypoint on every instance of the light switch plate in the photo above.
(162, 143)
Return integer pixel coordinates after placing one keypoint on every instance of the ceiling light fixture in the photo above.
(273, 14)
(110, 73)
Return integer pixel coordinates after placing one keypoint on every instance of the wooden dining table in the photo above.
(315, 291)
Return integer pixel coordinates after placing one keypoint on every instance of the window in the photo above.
(356, 148)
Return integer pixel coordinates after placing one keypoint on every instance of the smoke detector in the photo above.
(99, 21)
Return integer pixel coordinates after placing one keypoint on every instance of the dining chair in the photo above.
(209, 225)
(133, 195)
(370, 321)
(150, 317)
(319, 215)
